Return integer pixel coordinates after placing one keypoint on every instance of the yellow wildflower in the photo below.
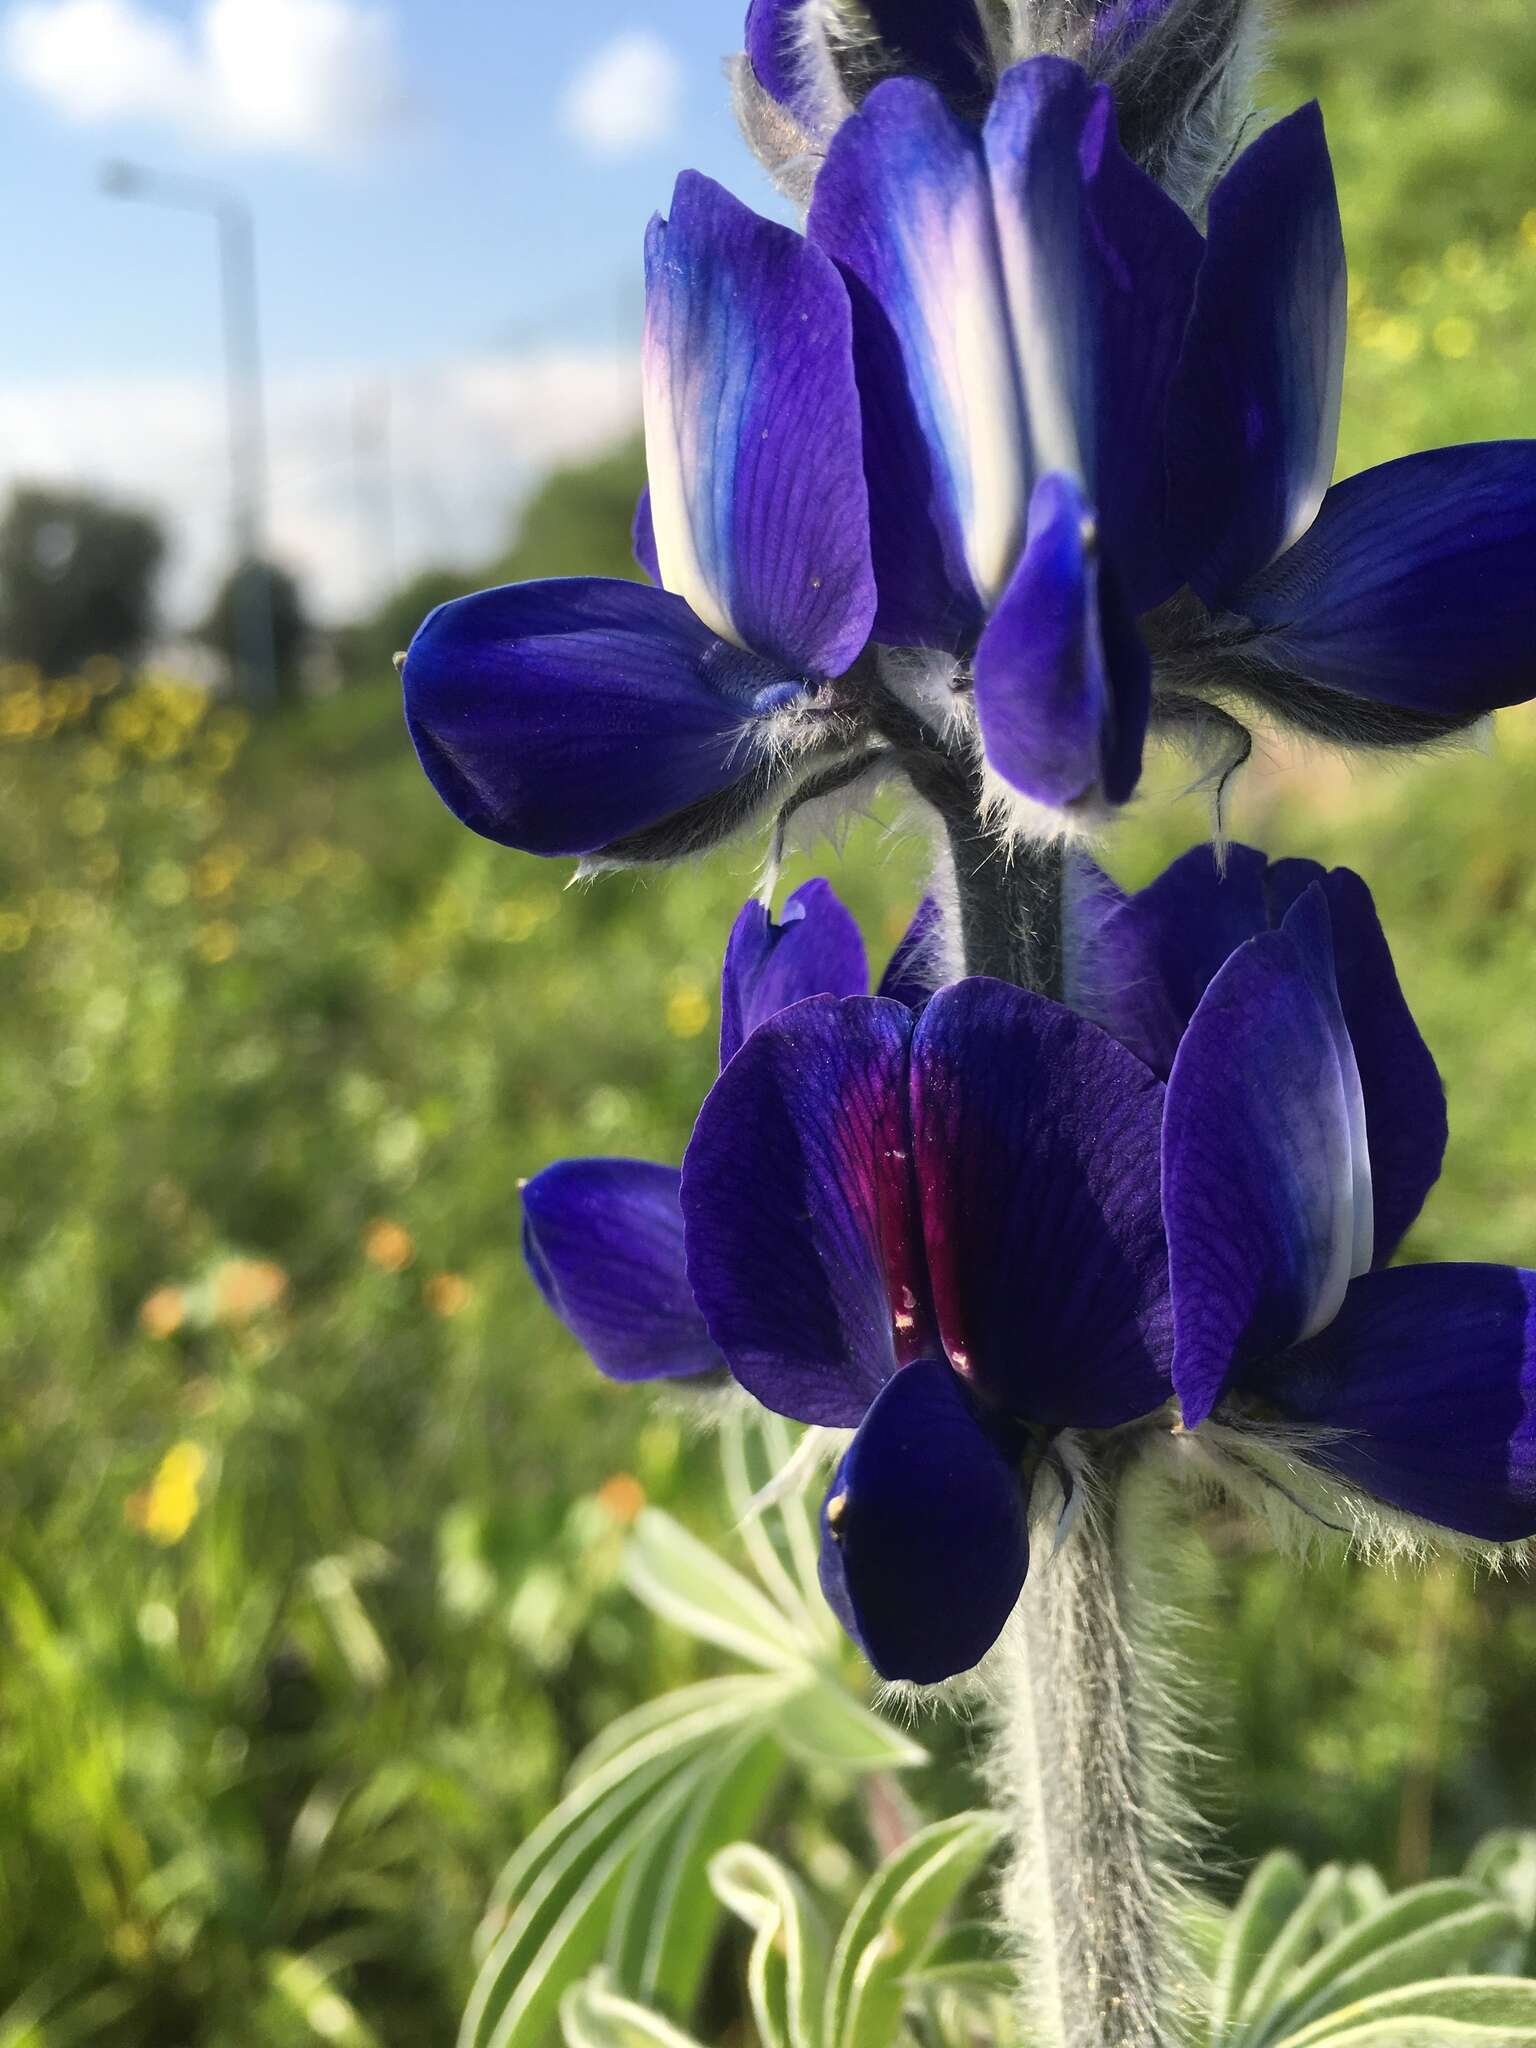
(166, 1509)
(688, 1011)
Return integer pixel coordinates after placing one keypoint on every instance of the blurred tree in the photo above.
(223, 628)
(77, 578)
(577, 522)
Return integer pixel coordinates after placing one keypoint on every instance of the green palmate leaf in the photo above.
(1365, 1889)
(822, 1725)
(1430, 1931)
(677, 1577)
(1505, 1862)
(971, 1956)
(739, 1699)
(778, 1537)
(668, 1926)
(594, 2016)
(598, 1803)
(892, 1922)
(1326, 1906)
(1504, 2005)
(557, 1930)
(787, 1972)
(1416, 2033)
(1269, 1898)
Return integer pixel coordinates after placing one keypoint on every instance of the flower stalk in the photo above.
(1010, 906)
(1077, 1699)
(1080, 1708)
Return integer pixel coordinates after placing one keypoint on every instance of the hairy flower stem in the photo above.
(1010, 907)
(1077, 1708)
(1078, 1763)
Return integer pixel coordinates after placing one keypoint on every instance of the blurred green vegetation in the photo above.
(311, 1514)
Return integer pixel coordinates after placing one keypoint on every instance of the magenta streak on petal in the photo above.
(943, 1266)
(898, 1225)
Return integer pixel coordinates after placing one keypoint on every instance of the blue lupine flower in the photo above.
(1095, 472)
(1020, 293)
(1412, 585)
(1418, 1385)
(1142, 963)
(577, 716)
(603, 1238)
(942, 1230)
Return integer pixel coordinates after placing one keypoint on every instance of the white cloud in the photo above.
(309, 77)
(374, 473)
(626, 97)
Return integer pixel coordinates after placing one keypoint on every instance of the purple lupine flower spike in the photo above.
(579, 716)
(1419, 1383)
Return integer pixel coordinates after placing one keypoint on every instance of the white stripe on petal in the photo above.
(671, 458)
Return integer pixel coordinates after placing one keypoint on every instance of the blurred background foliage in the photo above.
(310, 1517)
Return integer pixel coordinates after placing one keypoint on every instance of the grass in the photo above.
(310, 1513)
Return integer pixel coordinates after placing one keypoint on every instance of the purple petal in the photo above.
(925, 1532)
(1150, 958)
(1100, 266)
(1424, 1387)
(1255, 418)
(604, 1241)
(752, 433)
(1309, 927)
(940, 40)
(559, 717)
(1062, 680)
(774, 52)
(917, 966)
(804, 1246)
(1416, 586)
(642, 536)
(1145, 961)
(815, 950)
(903, 205)
(1089, 899)
(1404, 1100)
(1035, 145)
(1037, 1156)
(1258, 1171)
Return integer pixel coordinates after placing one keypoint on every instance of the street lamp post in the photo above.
(255, 666)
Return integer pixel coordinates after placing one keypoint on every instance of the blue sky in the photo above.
(450, 197)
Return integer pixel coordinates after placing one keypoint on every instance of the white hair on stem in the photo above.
(1092, 1744)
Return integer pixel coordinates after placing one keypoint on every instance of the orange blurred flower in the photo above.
(623, 1496)
(447, 1293)
(162, 1313)
(388, 1246)
(242, 1288)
